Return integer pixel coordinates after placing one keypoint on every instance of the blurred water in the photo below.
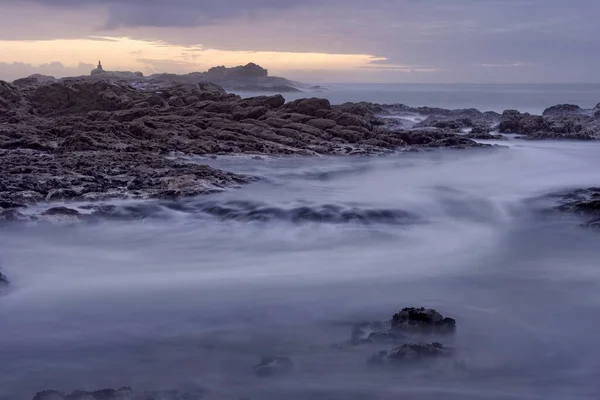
(190, 299)
(532, 98)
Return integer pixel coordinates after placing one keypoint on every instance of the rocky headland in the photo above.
(243, 78)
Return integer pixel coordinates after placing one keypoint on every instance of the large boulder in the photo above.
(307, 106)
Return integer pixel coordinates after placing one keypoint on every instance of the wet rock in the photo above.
(3, 279)
(61, 211)
(409, 353)
(375, 332)
(270, 366)
(308, 106)
(94, 139)
(422, 320)
(484, 136)
(562, 109)
(407, 323)
(583, 202)
(555, 124)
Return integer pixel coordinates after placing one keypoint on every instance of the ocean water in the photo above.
(532, 98)
(196, 292)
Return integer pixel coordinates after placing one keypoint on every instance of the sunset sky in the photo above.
(309, 40)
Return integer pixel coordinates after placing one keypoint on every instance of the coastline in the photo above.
(102, 139)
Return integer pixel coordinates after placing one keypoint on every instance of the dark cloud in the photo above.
(527, 39)
(172, 13)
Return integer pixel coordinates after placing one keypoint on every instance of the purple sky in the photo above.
(413, 40)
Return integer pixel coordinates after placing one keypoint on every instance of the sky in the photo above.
(438, 41)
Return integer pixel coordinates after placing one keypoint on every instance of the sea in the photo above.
(189, 295)
(531, 98)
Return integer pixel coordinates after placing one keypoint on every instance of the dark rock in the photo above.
(375, 332)
(3, 279)
(422, 320)
(408, 322)
(582, 201)
(308, 106)
(409, 353)
(270, 366)
(562, 109)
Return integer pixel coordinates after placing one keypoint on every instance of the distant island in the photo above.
(244, 78)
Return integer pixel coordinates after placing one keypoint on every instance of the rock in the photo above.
(62, 211)
(3, 279)
(308, 106)
(270, 366)
(484, 136)
(422, 320)
(582, 201)
(562, 109)
(375, 332)
(408, 322)
(407, 354)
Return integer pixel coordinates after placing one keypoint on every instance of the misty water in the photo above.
(532, 98)
(186, 298)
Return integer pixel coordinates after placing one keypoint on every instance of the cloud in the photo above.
(506, 65)
(171, 13)
(16, 70)
(463, 40)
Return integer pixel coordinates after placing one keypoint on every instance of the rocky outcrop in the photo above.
(555, 124)
(561, 109)
(91, 140)
(408, 322)
(584, 202)
(423, 320)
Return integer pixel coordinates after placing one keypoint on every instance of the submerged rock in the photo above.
(405, 324)
(3, 279)
(584, 202)
(269, 366)
(422, 320)
(61, 211)
(408, 353)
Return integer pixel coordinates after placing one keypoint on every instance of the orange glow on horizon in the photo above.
(151, 57)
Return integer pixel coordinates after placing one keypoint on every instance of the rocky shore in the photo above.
(104, 138)
(94, 140)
